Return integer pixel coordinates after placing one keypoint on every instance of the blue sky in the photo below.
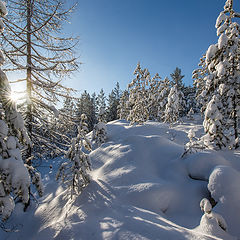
(162, 35)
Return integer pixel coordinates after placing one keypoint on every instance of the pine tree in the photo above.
(177, 78)
(153, 94)
(113, 102)
(86, 105)
(162, 99)
(101, 104)
(99, 133)
(67, 117)
(123, 107)
(93, 110)
(15, 177)
(172, 107)
(33, 44)
(190, 99)
(218, 82)
(139, 112)
(74, 173)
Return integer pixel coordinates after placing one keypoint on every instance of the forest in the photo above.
(156, 160)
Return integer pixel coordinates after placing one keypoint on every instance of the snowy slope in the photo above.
(141, 188)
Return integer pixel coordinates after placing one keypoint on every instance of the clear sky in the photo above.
(162, 35)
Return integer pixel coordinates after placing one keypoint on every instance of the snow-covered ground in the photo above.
(141, 188)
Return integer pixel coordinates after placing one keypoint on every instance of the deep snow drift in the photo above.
(141, 188)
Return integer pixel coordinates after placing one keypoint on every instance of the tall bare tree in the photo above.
(34, 45)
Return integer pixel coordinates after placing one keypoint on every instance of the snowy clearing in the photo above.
(141, 188)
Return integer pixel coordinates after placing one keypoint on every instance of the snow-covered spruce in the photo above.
(172, 107)
(218, 83)
(99, 133)
(74, 172)
(139, 112)
(123, 107)
(113, 103)
(162, 98)
(152, 96)
(101, 106)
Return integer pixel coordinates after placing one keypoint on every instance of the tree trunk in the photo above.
(29, 80)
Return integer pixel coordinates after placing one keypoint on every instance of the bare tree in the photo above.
(34, 45)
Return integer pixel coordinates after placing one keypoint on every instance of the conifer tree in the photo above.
(153, 94)
(74, 172)
(218, 83)
(139, 112)
(99, 133)
(162, 99)
(113, 102)
(172, 107)
(177, 78)
(101, 104)
(123, 107)
(86, 105)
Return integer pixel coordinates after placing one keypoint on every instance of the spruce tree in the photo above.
(153, 94)
(86, 105)
(99, 133)
(177, 78)
(123, 107)
(162, 99)
(74, 172)
(113, 102)
(218, 83)
(101, 104)
(139, 112)
(172, 107)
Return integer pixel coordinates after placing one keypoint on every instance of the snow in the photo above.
(3, 129)
(3, 9)
(222, 41)
(11, 143)
(222, 28)
(221, 18)
(141, 188)
(54, 110)
(8, 203)
(211, 52)
(220, 69)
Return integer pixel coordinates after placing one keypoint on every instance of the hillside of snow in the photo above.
(141, 188)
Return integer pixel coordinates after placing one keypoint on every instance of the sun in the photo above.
(17, 96)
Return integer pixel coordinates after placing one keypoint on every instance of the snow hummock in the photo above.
(141, 188)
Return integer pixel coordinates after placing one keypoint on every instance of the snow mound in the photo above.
(224, 187)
